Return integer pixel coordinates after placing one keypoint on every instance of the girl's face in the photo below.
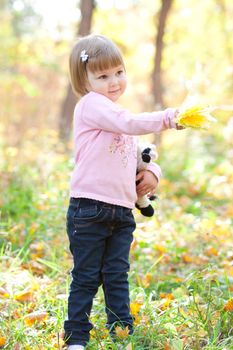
(110, 82)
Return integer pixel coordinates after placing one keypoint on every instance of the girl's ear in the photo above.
(88, 86)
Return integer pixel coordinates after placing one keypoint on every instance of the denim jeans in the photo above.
(100, 235)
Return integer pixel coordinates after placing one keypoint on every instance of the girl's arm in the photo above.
(101, 113)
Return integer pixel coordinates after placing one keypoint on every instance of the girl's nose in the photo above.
(114, 80)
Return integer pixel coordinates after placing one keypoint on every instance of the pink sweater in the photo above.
(105, 149)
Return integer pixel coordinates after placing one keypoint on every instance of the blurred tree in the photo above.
(157, 85)
(66, 115)
(23, 17)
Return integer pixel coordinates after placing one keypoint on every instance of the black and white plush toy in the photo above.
(144, 157)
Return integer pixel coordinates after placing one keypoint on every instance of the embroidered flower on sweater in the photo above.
(125, 146)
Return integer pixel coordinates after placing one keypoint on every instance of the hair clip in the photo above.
(84, 56)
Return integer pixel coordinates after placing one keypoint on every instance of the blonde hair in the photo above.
(102, 54)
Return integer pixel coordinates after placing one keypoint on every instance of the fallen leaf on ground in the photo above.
(229, 305)
(26, 295)
(3, 293)
(135, 308)
(2, 341)
(35, 317)
(122, 332)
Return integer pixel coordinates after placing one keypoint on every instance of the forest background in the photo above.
(181, 260)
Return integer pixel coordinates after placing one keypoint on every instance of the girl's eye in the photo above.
(104, 76)
(120, 72)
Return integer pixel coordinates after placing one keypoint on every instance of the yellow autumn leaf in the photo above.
(186, 258)
(166, 303)
(211, 251)
(146, 281)
(135, 308)
(230, 271)
(161, 249)
(26, 295)
(2, 341)
(195, 115)
(122, 333)
(35, 317)
(37, 250)
(229, 305)
(166, 295)
(3, 293)
(16, 314)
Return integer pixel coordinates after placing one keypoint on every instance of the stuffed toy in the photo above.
(144, 157)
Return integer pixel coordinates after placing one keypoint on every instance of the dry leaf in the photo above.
(3, 293)
(229, 305)
(230, 271)
(2, 341)
(166, 295)
(35, 317)
(195, 115)
(37, 250)
(161, 249)
(146, 281)
(35, 267)
(134, 244)
(135, 308)
(211, 251)
(122, 332)
(26, 295)
(165, 305)
(186, 258)
(167, 346)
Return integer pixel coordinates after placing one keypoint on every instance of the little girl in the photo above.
(100, 223)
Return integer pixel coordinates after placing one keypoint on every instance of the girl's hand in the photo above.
(179, 127)
(148, 183)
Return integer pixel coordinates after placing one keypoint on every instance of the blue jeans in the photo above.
(100, 235)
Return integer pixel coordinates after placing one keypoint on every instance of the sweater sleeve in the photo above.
(155, 169)
(101, 113)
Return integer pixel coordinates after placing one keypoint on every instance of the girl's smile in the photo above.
(110, 82)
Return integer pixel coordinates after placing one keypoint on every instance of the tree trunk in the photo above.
(157, 84)
(67, 109)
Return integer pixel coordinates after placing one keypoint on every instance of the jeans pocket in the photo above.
(88, 211)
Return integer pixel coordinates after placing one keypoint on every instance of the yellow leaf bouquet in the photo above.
(194, 115)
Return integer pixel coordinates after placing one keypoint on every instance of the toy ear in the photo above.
(147, 150)
(146, 157)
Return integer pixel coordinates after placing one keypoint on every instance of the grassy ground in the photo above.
(181, 261)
